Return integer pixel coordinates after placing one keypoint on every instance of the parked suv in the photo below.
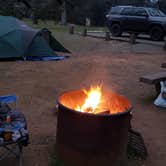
(137, 19)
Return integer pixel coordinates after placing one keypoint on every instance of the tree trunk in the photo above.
(63, 14)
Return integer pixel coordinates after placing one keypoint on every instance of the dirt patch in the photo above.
(38, 84)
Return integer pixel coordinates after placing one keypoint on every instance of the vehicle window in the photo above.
(127, 11)
(156, 13)
(115, 10)
(140, 12)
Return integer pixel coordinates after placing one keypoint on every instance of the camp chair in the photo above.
(12, 148)
(9, 99)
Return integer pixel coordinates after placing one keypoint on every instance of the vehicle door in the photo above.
(125, 15)
(139, 20)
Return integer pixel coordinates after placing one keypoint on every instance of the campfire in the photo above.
(92, 127)
(95, 101)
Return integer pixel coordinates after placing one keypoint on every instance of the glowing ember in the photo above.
(92, 101)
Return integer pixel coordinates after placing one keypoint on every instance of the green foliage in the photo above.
(55, 162)
(6, 7)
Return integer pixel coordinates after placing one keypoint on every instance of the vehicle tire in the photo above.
(116, 30)
(137, 34)
(156, 33)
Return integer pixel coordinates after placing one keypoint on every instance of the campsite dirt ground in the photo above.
(117, 65)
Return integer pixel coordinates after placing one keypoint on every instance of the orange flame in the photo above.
(98, 102)
(92, 101)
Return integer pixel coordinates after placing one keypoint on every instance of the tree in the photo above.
(64, 13)
(8, 7)
(162, 5)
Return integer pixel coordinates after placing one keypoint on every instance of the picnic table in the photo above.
(155, 78)
(163, 65)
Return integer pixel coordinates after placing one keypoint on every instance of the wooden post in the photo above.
(107, 36)
(84, 33)
(71, 29)
(35, 20)
(132, 38)
(164, 43)
(34, 17)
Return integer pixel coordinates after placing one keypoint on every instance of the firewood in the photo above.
(102, 111)
(89, 110)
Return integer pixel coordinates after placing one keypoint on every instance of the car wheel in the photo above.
(137, 34)
(156, 33)
(116, 30)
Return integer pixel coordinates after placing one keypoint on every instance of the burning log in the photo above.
(97, 111)
(102, 111)
(89, 110)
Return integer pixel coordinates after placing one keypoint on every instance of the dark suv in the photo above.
(137, 19)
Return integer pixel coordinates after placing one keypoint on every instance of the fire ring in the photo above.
(91, 139)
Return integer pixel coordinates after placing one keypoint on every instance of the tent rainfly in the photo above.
(19, 41)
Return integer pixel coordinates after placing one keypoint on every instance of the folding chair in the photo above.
(12, 148)
(9, 99)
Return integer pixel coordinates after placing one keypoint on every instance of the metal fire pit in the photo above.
(85, 139)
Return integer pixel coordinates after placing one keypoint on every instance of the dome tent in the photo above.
(19, 41)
